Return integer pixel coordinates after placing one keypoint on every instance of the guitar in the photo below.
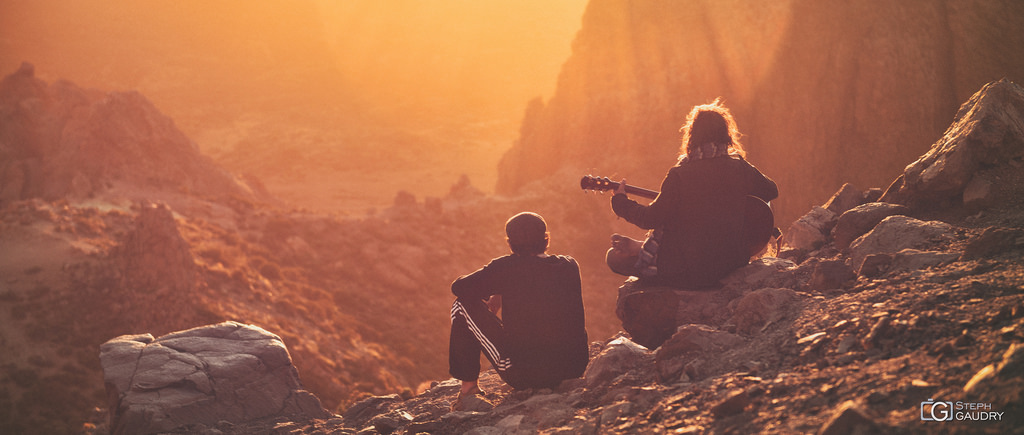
(758, 219)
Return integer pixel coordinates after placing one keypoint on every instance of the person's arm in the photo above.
(581, 355)
(763, 186)
(480, 284)
(650, 216)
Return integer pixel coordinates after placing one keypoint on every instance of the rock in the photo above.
(986, 135)
(733, 404)
(690, 341)
(978, 193)
(994, 241)
(830, 274)
(370, 406)
(861, 219)
(155, 255)
(395, 419)
(648, 314)
(808, 232)
(994, 375)
(875, 265)
(760, 273)
(762, 307)
(896, 233)
(159, 273)
(510, 423)
(1013, 362)
(618, 357)
(703, 307)
(846, 198)
(878, 331)
(651, 314)
(849, 419)
(485, 430)
(982, 377)
(613, 412)
(913, 259)
(873, 194)
(846, 344)
(542, 411)
(202, 376)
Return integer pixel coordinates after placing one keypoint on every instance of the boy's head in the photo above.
(527, 234)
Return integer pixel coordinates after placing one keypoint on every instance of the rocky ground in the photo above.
(856, 359)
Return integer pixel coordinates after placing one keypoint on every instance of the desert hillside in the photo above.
(100, 240)
(898, 314)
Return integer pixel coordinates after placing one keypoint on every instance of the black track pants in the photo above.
(476, 329)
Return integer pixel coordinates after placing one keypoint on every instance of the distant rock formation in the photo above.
(158, 271)
(829, 92)
(200, 378)
(61, 141)
(154, 254)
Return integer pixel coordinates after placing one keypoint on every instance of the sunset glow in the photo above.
(368, 90)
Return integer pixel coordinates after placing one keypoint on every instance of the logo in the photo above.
(933, 410)
(936, 411)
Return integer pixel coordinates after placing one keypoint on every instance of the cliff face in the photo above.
(824, 93)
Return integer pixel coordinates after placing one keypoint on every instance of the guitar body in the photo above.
(758, 224)
(758, 219)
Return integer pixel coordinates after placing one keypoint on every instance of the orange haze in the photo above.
(335, 105)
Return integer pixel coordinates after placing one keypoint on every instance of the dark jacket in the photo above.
(542, 312)
(700, 210)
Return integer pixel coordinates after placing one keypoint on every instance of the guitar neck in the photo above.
(640, 191)
(604, 184)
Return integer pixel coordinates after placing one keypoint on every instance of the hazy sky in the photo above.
(453, 76)
(470, 52)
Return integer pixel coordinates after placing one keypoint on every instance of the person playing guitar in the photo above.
(702, 221)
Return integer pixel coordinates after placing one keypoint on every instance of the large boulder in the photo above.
(963, 167)
(859, 220)
(845, 198)
(896, 233)
(191, 379)
(651, 314)
(809, 232)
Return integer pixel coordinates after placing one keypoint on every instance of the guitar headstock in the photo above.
(600, 184)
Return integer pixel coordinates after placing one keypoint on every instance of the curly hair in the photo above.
(711, 123)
